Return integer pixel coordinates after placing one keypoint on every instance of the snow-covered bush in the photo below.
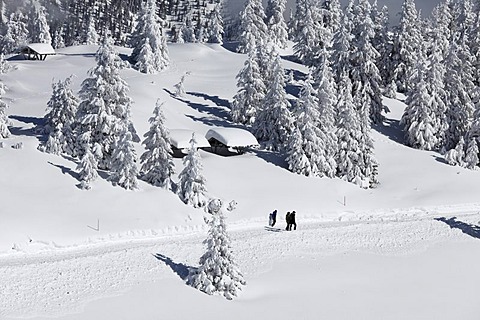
(218, 272)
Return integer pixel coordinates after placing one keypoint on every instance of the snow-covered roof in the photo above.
(180, 139)
(40, 48)
(232, 137)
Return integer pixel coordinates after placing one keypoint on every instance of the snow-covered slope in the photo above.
(45, 217)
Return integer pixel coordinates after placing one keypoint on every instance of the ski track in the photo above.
(63, 280)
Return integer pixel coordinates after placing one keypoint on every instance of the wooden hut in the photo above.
(37, 51)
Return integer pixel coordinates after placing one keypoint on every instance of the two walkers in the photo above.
(289, 218)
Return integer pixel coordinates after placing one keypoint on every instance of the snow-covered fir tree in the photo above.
(146, 59)
(123, 168)
(180, 86)
(307, 144)
(254, 31)
(148, 32)
(348, 134)
(383, 43)
(88, 165)
(59, 119)
(191, 188)
(456, 155)
(471, 159)
(39, 29)
(105, 105)
(218, 272)
(274, 123)
(215, 26)
(251, 91)
(4, 65)
(327, 100)
(419, 119)
(365, 76)
(157, 163)
(459, 87)
(407, 45)
(276, 24)
(16, 34)
(4, 121)
(92, 36)
(188, 30)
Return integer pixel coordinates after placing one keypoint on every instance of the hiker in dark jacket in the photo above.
(292, 221)
(287, 220)
(273, 218)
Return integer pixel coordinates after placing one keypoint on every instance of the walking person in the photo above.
(273, 218)
(292, 221)
(287, 220)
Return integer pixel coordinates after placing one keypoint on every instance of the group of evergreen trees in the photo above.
(354, 58)
(67, 22)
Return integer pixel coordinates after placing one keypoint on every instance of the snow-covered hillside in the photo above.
(57, 241)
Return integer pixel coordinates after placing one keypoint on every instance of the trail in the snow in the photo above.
(63, 281)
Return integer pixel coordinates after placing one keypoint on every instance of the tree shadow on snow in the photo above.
(30, 132)
(180, 269)
(391, 128)
(275, 158)
(202, 108)
(66, 170)
(215, 99)
(469, 229)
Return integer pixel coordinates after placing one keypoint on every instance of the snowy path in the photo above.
(62, 282)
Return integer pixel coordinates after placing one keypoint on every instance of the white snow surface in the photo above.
(41, 48)
(405, 250)
(180, 139)
(232, 137)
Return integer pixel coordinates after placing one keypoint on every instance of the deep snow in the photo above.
(353, 246)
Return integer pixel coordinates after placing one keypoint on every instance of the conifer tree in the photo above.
(459, 85)
(157, 163)
(16, 34)
(215, 26)
(419, 119)
(407, 45)
(275, 21)
(274, 122)
(4, 121)
(254, 31)
(39, 29)
(471, 155)
(4, 65)
(218, 273)
(251, 91)
(456, 155)
(87, 166)
(124, 169)
(149, 27)
(192, 189)
(307, 40)
(105, 106)
(92, 36)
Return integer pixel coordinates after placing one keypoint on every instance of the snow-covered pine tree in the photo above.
(383, 43)
(475, 47)
(332, 15)
(192, 188)
(305, 145)
(4, 121)
(16, 34)
(456, 155)
(180, 87)
(327, 100)
(419, 120)
(124, 171)
(149, 27)
(407, 45)
(215, 26)
(274, 122)
(341, 51)
(471, 154)
(459, 86)
(275, 21)
(365, 76)
(145, 59)
(157, 163)
(105, 105)
(311, 35)
(4, 65)
(254, 31)
(218, 272)
(39, 29)
(87, 166)
(188, 30)
(92, 36)
(59, 119)
(348, 134)
(251, 91)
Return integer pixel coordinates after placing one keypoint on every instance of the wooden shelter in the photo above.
(37, 51)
